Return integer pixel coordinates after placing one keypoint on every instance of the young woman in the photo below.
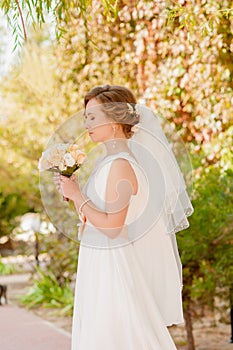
(129, 283)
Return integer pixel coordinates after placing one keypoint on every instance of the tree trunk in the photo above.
(188, 323)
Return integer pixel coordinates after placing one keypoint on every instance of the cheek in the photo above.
(104, 131)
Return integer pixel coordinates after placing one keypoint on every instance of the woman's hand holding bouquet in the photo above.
(63, 160)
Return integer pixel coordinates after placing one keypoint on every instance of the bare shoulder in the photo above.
(122, 169)
(121, 166)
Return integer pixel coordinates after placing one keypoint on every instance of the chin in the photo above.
(93, 138)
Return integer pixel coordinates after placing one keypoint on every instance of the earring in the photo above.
(114, 142)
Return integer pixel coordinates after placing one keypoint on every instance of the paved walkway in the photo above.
(22, 330)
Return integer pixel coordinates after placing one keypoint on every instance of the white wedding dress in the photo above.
(123, 301)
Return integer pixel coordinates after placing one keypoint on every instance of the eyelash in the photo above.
(85, 118)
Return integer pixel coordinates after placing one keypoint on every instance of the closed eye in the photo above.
(86, 116)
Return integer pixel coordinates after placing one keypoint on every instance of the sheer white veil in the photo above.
(168, 197)
(168, 202)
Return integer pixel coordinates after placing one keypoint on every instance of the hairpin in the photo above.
(130, 108)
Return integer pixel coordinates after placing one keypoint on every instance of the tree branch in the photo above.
(22, 20)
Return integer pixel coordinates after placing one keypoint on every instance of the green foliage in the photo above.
(7, 269)
(62, 257)
(203, 18)
(11, 206)
(28, 96)
(21, 14)
(205, 248)
(52, 287)
(47, 292)
(110, 9)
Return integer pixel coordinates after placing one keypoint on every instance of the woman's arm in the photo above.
(119, 188)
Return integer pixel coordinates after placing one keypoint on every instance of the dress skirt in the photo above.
(114, 308)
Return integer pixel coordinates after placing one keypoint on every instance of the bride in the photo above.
(129, 276)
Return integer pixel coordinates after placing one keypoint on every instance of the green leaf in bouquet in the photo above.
(68, 172)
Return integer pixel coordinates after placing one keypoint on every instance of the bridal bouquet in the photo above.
(64, 159)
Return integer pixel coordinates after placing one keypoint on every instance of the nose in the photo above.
(85, 125)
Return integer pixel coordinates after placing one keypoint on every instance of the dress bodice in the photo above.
(95, 189)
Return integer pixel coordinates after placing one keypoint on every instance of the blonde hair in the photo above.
(118, 104)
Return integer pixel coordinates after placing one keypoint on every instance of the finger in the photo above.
(73, 178)
(64, 178)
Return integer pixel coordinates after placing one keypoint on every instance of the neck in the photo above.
(121, 145)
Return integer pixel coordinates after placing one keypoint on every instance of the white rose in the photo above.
(62, 166)
(69, 160)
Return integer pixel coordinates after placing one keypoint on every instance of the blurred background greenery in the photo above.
(177, 57)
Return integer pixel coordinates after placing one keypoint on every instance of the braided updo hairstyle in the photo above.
(122, 112)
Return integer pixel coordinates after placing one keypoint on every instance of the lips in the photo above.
(90, 132)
